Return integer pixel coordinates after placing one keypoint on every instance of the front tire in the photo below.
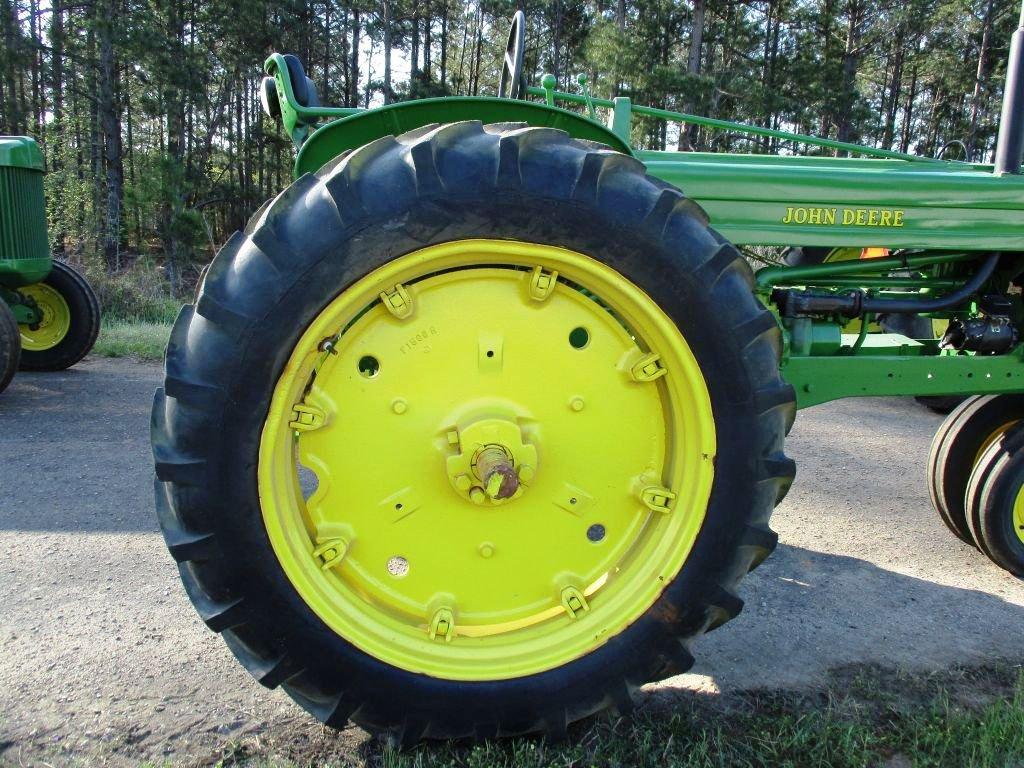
(469, 209)
(957, 448)
(70, 325)
(10, 345)
(995, 501)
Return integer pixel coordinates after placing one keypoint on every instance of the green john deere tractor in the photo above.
(476, 427)
(49, 316)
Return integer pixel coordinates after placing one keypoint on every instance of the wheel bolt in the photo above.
(477, 495)
(494, 468)
(576, 404)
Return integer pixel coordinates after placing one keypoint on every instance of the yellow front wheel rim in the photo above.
(56, 322)
(411, 384)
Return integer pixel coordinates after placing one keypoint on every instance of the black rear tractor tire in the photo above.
(395, 196)
(956, 449)
(995, 496)
(10, 346)
(84, 322)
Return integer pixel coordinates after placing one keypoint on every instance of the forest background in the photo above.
(156, 147)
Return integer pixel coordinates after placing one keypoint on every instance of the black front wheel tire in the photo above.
(996, 485)
(957, 448)
(10, 346)
(84, 328)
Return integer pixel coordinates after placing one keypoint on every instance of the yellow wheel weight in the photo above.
(512, 449)
(55, 323)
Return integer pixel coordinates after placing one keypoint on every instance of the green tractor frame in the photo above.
(49, 316)
(475, 428)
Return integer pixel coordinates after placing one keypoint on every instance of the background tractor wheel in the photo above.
(71, 321)
(10, 346)
(995, 501)
(956, 449)
(471, 433)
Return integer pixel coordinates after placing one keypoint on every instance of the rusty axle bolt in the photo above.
(494, 468)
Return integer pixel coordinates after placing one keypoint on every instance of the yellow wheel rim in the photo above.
(56, 321)
(411, 384)
(1018, 515)
(996, 434)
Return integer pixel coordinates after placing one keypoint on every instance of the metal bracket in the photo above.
(397, 301)
(657, 499)
(542, 284)
(306, 418)
(24, 308)
(330, 553)
(581, 79)
(648, 368)
(574, 602)
(442, 625)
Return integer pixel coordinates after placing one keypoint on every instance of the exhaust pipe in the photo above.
(1010, 145)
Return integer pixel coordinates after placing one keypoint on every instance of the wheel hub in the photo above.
(54, 318)
(493, 463)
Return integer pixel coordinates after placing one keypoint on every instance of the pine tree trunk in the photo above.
(444, 44)
(174, 194)
(851, 63)
(979, 80)
(908, 112)
(353, 100)
(427, 42)
(414, 57)
(55, 155)
(687, 133)
(387, 51)
(894, 89)
(109, 114)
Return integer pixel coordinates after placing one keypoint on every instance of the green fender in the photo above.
(330, 140)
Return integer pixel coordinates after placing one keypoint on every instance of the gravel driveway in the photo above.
(102, 658)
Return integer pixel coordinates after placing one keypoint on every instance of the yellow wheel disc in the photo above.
(486, 459)
(992, 438)
(1018, 515)
(55, 323)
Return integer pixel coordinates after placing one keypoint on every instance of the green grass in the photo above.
(141, 340)
(873, 718)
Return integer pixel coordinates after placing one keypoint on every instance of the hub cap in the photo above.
(486, 459)
(55, 323)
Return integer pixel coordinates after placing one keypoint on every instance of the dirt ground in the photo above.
(103, 660)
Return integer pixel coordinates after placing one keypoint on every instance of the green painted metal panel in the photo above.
(772, 200)
(821, 379)
(20, 152)
(330, 140)
(24, 245)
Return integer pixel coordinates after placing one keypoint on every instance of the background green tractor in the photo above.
(476, 427)
(49, 316)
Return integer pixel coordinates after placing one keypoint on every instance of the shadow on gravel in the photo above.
(814, 623)
(74, 449)
(808, 612)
